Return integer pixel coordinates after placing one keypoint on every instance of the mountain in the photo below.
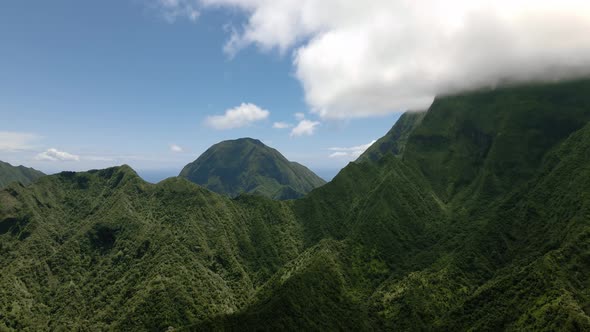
(480, 222)
(246, 165)
(24, 175)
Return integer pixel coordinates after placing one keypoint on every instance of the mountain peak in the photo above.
(246, 165)
(248, 139)
(22, 174)
(116, 176)
(243, 141)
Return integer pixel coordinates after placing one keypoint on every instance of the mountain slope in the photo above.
(486, 142)
(24, 175)
(248, 166)
(395, 140)
(547, 233)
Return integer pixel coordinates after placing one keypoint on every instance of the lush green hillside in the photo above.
(248, 166)
(395, 140)
(487, 142)
(24, 175)
(481, 221)
(104, 249)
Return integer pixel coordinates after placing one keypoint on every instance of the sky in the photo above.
(91, 84)
(154, 83)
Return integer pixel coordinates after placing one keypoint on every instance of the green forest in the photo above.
(471, 216)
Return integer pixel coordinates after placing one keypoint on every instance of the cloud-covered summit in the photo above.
(363, 58)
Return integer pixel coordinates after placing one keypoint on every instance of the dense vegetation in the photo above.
(246, 165)
(394, 142)
(24, 175)
(104, 249)
(480, 221)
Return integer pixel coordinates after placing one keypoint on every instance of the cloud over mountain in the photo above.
(237, 117)
(176, 148)
(56, 155)
(281, 125)
(305, 128)
(351, 153)
(357, 58)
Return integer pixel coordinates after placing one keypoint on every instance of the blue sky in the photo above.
(110, 82)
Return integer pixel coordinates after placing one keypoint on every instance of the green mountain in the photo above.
(24, 175)
(246, 165)
(395, 140)
(480, 222)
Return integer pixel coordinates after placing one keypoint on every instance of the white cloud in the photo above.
(363, 58)
(171, 10)
(351, 153)
(55, 155)
(16, 141)
(338, 154)
(299, 116)
(281, 125)
(176, 148)
(305, 127)
(237, 117)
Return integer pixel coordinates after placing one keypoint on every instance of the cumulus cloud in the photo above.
(176, 148)
(16, 141)
(56, 155)
(338, 154)
(173, 9)
(363, 58)
(351, 153)
(281, 125)
(304, 128)
(237, 117)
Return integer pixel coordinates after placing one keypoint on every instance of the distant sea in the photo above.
(157, 175)
(326, 174)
